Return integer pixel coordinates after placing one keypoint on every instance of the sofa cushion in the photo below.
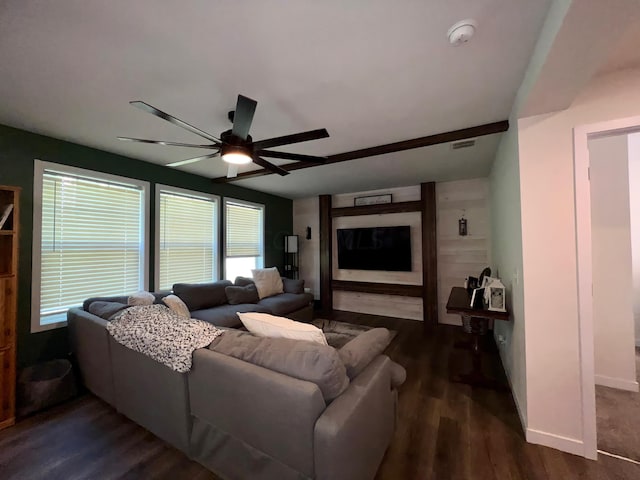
(106, 310)
(286, 302)
(265, 325)
(177, 305)
(141, 298)
(268, 281)
(225, 315)
(360, 351)
(290, 285)
(308, 361)
(243, 281)
(202, 295)
(121, 299)
(239, 295)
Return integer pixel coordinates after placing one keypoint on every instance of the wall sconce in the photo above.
(308, 233)
(462, 226)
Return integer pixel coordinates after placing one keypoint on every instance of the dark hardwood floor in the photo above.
(445, 431)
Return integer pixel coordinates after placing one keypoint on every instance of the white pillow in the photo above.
(176, 304)
(265, 325)
(268, 281)
(141, 298)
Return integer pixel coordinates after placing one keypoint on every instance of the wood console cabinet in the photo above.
(8, 303)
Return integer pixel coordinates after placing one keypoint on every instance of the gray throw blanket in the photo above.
(159, 333)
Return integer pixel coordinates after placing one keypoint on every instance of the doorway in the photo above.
(605, 279)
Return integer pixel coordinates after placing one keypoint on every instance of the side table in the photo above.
(475, 321)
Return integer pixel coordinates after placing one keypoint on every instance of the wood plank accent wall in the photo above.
(429, 253)
(326, 292)
(426, 206)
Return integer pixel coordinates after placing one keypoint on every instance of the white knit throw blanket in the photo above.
(159, 333)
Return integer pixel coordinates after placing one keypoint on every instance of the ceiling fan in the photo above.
(235, 146)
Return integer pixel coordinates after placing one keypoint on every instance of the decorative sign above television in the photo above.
(379, 248)
(372, 200)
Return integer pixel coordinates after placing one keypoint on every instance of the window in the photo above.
(244, 246)
(187, 239)
(89, 239)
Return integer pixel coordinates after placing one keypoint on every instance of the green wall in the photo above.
(19, 148)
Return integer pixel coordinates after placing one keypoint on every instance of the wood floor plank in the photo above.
(444, 430)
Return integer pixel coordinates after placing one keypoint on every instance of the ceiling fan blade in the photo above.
(269, 166)
(191, 160)
(162, 142)
(171, 119)
(232, 171)
(292, 156)
(243, 116)
(288, 139)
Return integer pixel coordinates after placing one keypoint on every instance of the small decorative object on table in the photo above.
(495, 295)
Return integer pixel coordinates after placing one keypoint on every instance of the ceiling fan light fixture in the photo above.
(236, 155)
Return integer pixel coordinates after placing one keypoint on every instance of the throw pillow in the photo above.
(359, 352)
(292, 286)
(106, 310)
(177, 305)
(265, 325)
(268, 281)
(239, 295)
(308, 361)
(243, 281)
(141, 298)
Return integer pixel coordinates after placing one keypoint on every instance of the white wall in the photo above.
(306, 214)
(549, 255)
(634, 200)
(461, 256)
(506, 234)
(614, 349)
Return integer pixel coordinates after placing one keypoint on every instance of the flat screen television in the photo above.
(379, 248)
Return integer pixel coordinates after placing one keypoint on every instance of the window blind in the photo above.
(92, 241)
(244, 230)
(188, 234)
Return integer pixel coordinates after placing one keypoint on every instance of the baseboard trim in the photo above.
(569, 445)
(516, 400)
(619, 383)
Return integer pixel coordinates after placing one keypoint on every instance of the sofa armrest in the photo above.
(89, 340)
(354, 431)
(267, 410)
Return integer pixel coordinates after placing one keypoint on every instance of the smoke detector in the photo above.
(462, 32)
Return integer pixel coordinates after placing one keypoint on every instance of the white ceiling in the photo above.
(371, 72)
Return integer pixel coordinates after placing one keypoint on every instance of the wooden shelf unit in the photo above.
(8, 304)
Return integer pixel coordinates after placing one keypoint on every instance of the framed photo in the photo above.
(372, 200)
(496, 295)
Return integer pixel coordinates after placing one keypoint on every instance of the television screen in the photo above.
(379, 248)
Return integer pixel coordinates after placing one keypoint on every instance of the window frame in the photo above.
(159, 188)
(39, 169)
(263, 210)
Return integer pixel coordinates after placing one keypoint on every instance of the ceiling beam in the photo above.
(438, 138)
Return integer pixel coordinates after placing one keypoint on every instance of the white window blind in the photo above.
(244, 230)
(244, 233)
(187, 239)
(92, 241)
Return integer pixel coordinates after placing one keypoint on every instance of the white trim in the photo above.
(566, 444)
(619, 383)
(582, 199)
(516, 399)
(39, 167)
(619, 457)
(187, 193)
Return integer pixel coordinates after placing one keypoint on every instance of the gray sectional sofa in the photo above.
(245, 418)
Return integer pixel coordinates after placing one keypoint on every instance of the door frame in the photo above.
(582, 191)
